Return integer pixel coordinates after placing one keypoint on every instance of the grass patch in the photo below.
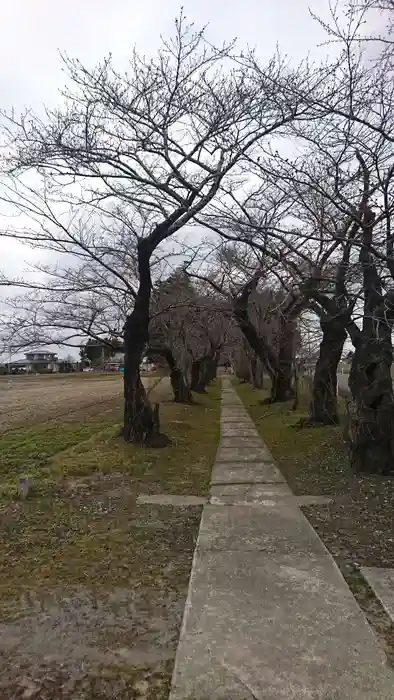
(356, 526)
(29, 451)
(86, 573)
(312, 460)
(39, 451)
(183, 467)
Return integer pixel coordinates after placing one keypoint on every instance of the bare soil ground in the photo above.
(92, 584)
(26, 401)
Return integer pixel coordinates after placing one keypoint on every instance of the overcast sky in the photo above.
(34, 31)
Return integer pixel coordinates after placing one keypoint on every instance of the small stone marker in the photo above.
(25, 486)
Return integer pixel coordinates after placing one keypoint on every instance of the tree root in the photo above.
(309, 422)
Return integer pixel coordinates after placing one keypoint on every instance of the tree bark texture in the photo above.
(324, 408)
(277, 362)
(204, 371)
(372, 428)
(371, 386)
(256, 343)
(282, 385)
(256, 377)
(139, 422)
(180, 389)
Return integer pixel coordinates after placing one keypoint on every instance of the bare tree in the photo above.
(370, 378)
(303, 217)
(129, 160)
(265, 314)
(174, 306)
(246, 365)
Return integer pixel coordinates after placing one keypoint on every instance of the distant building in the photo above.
(36, 363)
(115, 363)
(100, 353)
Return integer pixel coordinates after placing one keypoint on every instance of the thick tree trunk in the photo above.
(212, 367)
(372, 428)
(181, 391)
(258, 382)
(259, 345)
(282, 380)
(139, 423)
(324, 408)
(255, 373)
(279, 365)
(296, 386)
(371, 438)
(204, 371)
(281, 386)
(195, 379)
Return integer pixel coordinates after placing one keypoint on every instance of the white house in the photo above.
(36, 362)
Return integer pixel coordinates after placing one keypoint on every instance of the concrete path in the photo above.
(268, 615)
(382, 582)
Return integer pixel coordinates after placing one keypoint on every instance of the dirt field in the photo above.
(27, 401)
(92, 582)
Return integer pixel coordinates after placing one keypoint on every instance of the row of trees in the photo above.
(268, 189)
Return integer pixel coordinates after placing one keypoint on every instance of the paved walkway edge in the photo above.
(268, 615)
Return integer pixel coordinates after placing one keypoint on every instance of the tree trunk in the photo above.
(281, 385)
(138, 424)
(181, 391)
(139, 420)
(372, 428)
(282, 382)
(255, 373)
(278, 365)
(203, 372)
(212, 366)
(296, 385)
(195, 380)
(259, 375)
(324, 408)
